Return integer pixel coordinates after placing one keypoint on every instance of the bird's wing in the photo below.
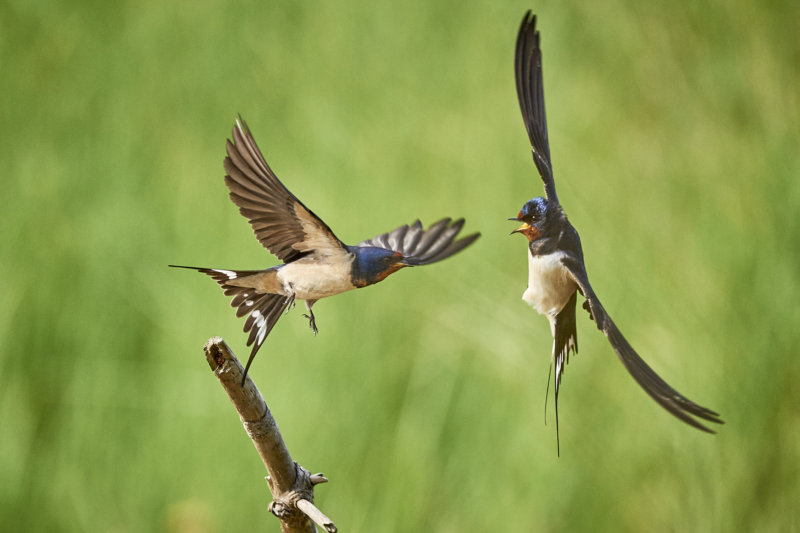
(657, 388)
(423, 247)
(530, 92)
(281, 222)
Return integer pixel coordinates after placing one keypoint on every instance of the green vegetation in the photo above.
(674, 134)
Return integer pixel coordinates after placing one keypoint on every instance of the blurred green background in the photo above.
(674, 135)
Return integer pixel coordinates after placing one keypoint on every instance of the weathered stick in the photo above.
(291, 485)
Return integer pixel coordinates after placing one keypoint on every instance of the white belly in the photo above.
(312, 280)
(549, 284)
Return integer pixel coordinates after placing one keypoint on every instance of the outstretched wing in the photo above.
(423, 247)
(530, 92)
(281, 222)
(657, 388)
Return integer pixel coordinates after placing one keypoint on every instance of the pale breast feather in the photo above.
(311, 279)
(549, 283)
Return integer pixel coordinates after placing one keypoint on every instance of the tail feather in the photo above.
(565, 340)
(263, 309)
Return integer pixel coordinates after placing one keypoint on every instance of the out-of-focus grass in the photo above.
(674, 133)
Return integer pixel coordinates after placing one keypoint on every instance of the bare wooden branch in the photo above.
(291, 485)
(317, 516)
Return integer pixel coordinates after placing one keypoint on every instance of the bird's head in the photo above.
(534, 218)
(373, 264)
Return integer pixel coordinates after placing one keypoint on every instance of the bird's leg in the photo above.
(291, 303)
(290, 294)
(312, 323)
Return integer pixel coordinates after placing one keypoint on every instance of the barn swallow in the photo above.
(556, 270)
(316, 264)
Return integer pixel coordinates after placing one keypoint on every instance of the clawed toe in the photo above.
(312, 323)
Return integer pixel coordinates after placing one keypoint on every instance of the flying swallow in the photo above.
(316, 264)
(556, 270)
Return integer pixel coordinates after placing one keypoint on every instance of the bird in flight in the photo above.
(556, 271)
(316, 264)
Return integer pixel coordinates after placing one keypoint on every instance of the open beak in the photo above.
(522, 228)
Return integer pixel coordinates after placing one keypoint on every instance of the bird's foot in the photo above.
(588, 308)
(290, 304)
(311, 322)
(291, 296)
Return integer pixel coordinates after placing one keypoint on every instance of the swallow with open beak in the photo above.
(556, 270)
